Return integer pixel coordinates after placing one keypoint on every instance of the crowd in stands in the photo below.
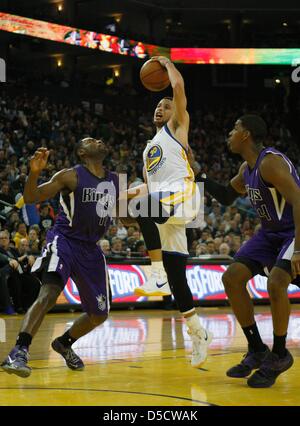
(28, 122)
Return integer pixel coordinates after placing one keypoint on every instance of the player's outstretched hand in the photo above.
(38, 161)
(295, 262)
(161, 59)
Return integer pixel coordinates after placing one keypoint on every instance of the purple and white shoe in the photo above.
(16, 362)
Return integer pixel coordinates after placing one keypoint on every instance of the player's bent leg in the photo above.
(175, 265)
(235, 280)
(46, 300)
(97, 320)
(157, 284)
(280, 359)
(17, 359)
(278, 282)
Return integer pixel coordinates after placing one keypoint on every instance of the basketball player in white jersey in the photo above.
(172, 202)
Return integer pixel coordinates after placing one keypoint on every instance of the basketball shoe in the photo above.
(201, 339)
(156, 285)
(16, 362)
(72, 360)
(251, 361)
(269, 370)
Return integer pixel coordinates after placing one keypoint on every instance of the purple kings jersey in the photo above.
(274, 212)
(85, 214)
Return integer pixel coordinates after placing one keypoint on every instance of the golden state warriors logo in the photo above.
(154, 157)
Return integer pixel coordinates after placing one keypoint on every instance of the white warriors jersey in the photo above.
(166, 163)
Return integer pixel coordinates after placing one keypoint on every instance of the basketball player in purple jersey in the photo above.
(87, 196)
(273, 186)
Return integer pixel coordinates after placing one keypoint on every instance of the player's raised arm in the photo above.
(275, 171)
(61, 180)
(181, 116)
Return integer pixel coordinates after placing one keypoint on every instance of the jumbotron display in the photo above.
(112, 44)
(76, 37)
(236, 56)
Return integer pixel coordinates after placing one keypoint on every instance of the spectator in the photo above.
(23, 247)
(46, 220)
(236, 243)
(193, 246)
(122, 231)
(215, 213)
(22, 285)
(205, 235)
(131, 230)
(3, 160)
(6, 265)
(34, 242)
(224, 249)
(13, 221)
(27, 258)
(217, 242)
(140, 249)
(210, 247)
(112, 233)
(105, 247)
(116, 247)
(6, 194)
(21, 233)
(136, 235)
(201, 249)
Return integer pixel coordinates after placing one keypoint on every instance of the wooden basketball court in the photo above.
(142, 358)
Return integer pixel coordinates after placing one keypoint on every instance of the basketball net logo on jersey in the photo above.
(154, 159)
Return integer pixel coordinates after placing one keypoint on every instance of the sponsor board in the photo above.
(205, 282)
(123, 280)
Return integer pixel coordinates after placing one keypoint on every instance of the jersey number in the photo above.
(103, 220)
(263, 212)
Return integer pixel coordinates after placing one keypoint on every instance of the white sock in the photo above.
(193, 323)
(158, 267)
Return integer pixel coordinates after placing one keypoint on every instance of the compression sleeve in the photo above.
(224, 194)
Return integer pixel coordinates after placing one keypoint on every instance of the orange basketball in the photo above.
(154, 76)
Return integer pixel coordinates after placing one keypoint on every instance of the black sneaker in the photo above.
(72, 360)
(251, 361)
(16, 362)
(270, 369)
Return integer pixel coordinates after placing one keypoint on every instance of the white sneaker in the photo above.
(201, 339)
(156, 285)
